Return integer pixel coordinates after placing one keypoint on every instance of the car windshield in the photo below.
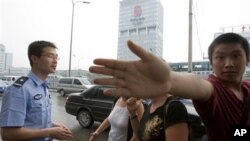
(86, 91)
(85, 81)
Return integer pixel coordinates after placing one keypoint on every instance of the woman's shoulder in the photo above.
(174, 102)
(175, 112)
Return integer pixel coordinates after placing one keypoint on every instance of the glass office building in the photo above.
(142, 22)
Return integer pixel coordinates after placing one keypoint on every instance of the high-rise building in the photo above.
(8, 61)
(142, 22)
(2, 58)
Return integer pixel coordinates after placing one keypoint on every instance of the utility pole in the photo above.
(71, 36)
(190, 35)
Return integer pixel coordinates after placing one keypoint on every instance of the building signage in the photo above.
(137, 11)
(137, 19)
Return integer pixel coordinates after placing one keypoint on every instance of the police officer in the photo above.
(26, 104)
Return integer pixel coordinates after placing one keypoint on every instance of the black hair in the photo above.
(36, 48)
(228, 38)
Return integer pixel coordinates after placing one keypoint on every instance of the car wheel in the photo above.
(85, 119)
(61, 93)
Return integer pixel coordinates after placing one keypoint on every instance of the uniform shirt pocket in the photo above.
(37, 105)
(36, 116)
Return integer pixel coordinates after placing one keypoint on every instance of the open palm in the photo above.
(141, 78)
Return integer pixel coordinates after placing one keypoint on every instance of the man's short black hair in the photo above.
(228, 38)
(36, 48)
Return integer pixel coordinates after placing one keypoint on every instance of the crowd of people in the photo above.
(222, 100)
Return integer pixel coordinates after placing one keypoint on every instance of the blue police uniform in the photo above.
(27, 103)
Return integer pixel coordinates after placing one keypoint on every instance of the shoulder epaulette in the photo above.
(20, 81)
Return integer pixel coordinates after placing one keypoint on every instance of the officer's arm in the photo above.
(21, 133)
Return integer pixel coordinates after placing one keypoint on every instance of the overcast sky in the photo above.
(96, 27)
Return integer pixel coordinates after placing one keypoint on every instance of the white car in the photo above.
(67, 85)
(3, 86)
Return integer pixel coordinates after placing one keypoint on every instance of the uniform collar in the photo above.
(37, 80)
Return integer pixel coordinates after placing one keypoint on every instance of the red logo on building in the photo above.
(137, 11)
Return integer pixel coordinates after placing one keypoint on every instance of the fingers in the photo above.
(111, 63)
(139, 51)
(67, 134)
(93, 136)
(67, 137)
(131, 100)
(121, 65)
(110, 81)
(107, 71)
(117, 92)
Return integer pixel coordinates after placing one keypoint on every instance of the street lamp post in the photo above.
(71, 36)
(78, 59)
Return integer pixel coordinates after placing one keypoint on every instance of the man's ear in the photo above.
(34, 58)
(248, 58)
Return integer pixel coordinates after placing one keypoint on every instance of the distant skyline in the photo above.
(96, 27)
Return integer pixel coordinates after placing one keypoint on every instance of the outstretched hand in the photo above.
(142, 78)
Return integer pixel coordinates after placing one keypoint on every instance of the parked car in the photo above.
(3, 86)
(53, 80)
(68, 85)
(90, 105)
